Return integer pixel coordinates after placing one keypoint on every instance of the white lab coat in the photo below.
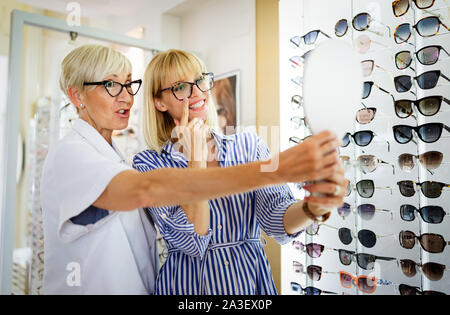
(116, 255)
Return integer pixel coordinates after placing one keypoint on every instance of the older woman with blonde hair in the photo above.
(214, 246)
(97, 238)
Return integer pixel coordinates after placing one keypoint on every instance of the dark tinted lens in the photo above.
(365, 188)
(346, 280)
(408, 267)
(295, 287)
(366, 261)
(345, 235)
(367, 238)
(403, 83)
(345, 257)
(312, 291)
(403, 134)
(361, 21)
(429, 106)
(431, 189)
(407, 188)
(367, 89)
(430, 133)
(366, 211)
(407, 212)
(403, 108)
(432, 243)
(402, 33)
(341, 28)
(314, 250)
(428, 80)
(407, 239)
(433, 271)
(406, 162)
(363, 138)
(367, 284)
(311, 37)
(428, 55)
(403, 60)
(408, 290)
(432, 214)
(400, 7)
(428, 27)
(344, 210)
(314, 272)
(346, 140)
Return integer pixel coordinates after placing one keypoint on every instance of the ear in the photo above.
(75, 96)
(159, 105)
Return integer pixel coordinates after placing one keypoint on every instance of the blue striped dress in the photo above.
(230, 259)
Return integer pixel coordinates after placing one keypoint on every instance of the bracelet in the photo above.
(309, 214)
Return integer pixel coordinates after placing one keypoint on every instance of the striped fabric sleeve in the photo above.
(272, 202)
(173, 222)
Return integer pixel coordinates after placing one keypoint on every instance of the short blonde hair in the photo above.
(175, 65)
(91, 63)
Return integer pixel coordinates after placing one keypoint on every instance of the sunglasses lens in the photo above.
(430, 133)
(346, 280)
(433, 271)
(345, 257)
(408, 290)
(428, 26)
(314, 272)
(311, 37)
(407, 212)
(407, 188)
(366, 284)
(345, 235)
(403, 134)
(298, 267)
(313, 229)
(362, 43)
(407, 239)
(403, 60)
(424, 4)
(363, 138)
(312, 291)
(431, 160)
(346, 140)
(428, 80)
(402, 33)
(400, 7)
(341, 28)
(403, 108)
(403, 83)
(366, 261)
(361, 21)
(367, 89)
(344, 211)
(432, 214)
(367, 238)
(408, 267)
(295, 287)
(314, 250)
(365, 188)
(406, 162)
(432, 189)
(429, 106)
(367, 67)
(367, 163)
(366, 211)
(432, 243)
(365, 116)
(428, 55)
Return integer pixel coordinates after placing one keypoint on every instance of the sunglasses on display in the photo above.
(428, 133)
(431, 243)
(429, 189)
(366, 163)
(367, 238)
(364, 261)
(296, 287)
(114, 88)
(427, 106)
(296, 61)
(360, 22)
(427, 56)
(401, 7)
(307, 39)
(366, 115)
(367, 89)
(297, 101)
(365, 211)
(409, 290)
(429, 160)
(365, 284)
(426, 81)
(426, 27)
(363, 43)
(432, 271)
(297, 80)
(314, 272)
(369, 65)
(365, 188)
(297, 122)
(429, 214)
(313, 250)
(183, 90)
(361, 138)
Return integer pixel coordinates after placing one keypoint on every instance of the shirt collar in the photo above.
(97, 141)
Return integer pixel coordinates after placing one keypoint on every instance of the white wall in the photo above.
(3, 90)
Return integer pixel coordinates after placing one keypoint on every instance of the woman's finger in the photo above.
(185, 116)
(326, 202)
(325, 188)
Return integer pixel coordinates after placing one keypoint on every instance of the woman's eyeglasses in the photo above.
(431, 243)
(427, 106)
(114, 88)
(296, 287)
(428, 133)
(426, 27)
(433, 271)
(364, 261)
(429, 189)
(426, 81)
(430, 160)
(365, 284)
(429, 214)
(365, 211)
(308, 39)
(183, 90)
(427, 56)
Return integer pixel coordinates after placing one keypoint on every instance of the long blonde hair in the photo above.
(169, 65)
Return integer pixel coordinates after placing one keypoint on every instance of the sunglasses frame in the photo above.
(417, 129)
(421, 187)
(356, 258)
(419, 238)
(357, 210)
(403, 287)
(416, 26)
(396, 36)
(420, 211)
(335, 28)
(424, 268)
(419, 158)
(407, 9)
(355, 281)
(439, 48)
(316, 290)
(439, 98)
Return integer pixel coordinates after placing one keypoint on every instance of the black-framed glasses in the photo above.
(361, 138)
(426, 81)
(430, 242)
(430, 189)
(427, 56)
(309, 38)
(428, 133)
(429, 214)
(364, 261)
(367, 238)
(427, 106)
(365, 211)
(296, 287)
(367, 89)
(183, 90)
(114, 88)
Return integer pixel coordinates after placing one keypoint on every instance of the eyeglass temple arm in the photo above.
(447, 128)
(325, 34)
(386, 258)
(446, 100)
(445, 77)
(389, 235)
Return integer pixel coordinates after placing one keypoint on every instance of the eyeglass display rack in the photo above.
(297, 18)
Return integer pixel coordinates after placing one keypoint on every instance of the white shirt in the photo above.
(116, 255)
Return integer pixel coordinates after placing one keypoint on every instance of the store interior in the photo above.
(261, 45)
